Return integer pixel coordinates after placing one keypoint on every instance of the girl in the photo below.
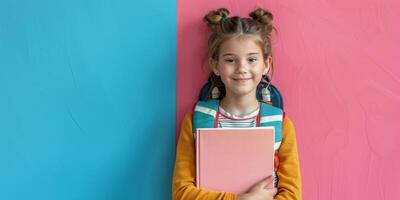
(239, 55)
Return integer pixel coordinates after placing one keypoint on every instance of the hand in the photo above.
(259, 192)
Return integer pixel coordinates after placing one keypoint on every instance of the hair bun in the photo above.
(214, 17)
(264, 17)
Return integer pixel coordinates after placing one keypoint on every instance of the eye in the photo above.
(229, 60)
(252, 60)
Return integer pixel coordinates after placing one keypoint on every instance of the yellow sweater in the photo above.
(184, 179)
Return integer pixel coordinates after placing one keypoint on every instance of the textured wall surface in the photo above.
(87, 102)
(337, 66)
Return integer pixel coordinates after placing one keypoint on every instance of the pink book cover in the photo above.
(233, 159)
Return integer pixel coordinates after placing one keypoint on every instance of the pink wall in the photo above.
(337, 65)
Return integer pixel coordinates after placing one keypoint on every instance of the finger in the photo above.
(265, 182)
(273, 191)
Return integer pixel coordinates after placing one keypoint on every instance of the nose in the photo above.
(241, 67)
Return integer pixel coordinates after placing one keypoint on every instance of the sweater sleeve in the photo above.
(184, 178)
(289, 184)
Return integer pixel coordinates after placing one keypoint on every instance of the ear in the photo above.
(268, 64)
(213, 65)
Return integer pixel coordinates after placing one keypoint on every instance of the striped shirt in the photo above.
(227, 120)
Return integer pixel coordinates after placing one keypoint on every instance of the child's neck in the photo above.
(239, 105)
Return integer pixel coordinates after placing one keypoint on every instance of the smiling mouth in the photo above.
(241, 79)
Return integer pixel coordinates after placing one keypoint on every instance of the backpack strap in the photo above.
(204, 115)
(272, 116)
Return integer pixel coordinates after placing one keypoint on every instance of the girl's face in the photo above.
(241, 65)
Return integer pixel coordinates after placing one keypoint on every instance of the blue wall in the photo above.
(87, 105)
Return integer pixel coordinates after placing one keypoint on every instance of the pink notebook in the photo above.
(233, 160)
